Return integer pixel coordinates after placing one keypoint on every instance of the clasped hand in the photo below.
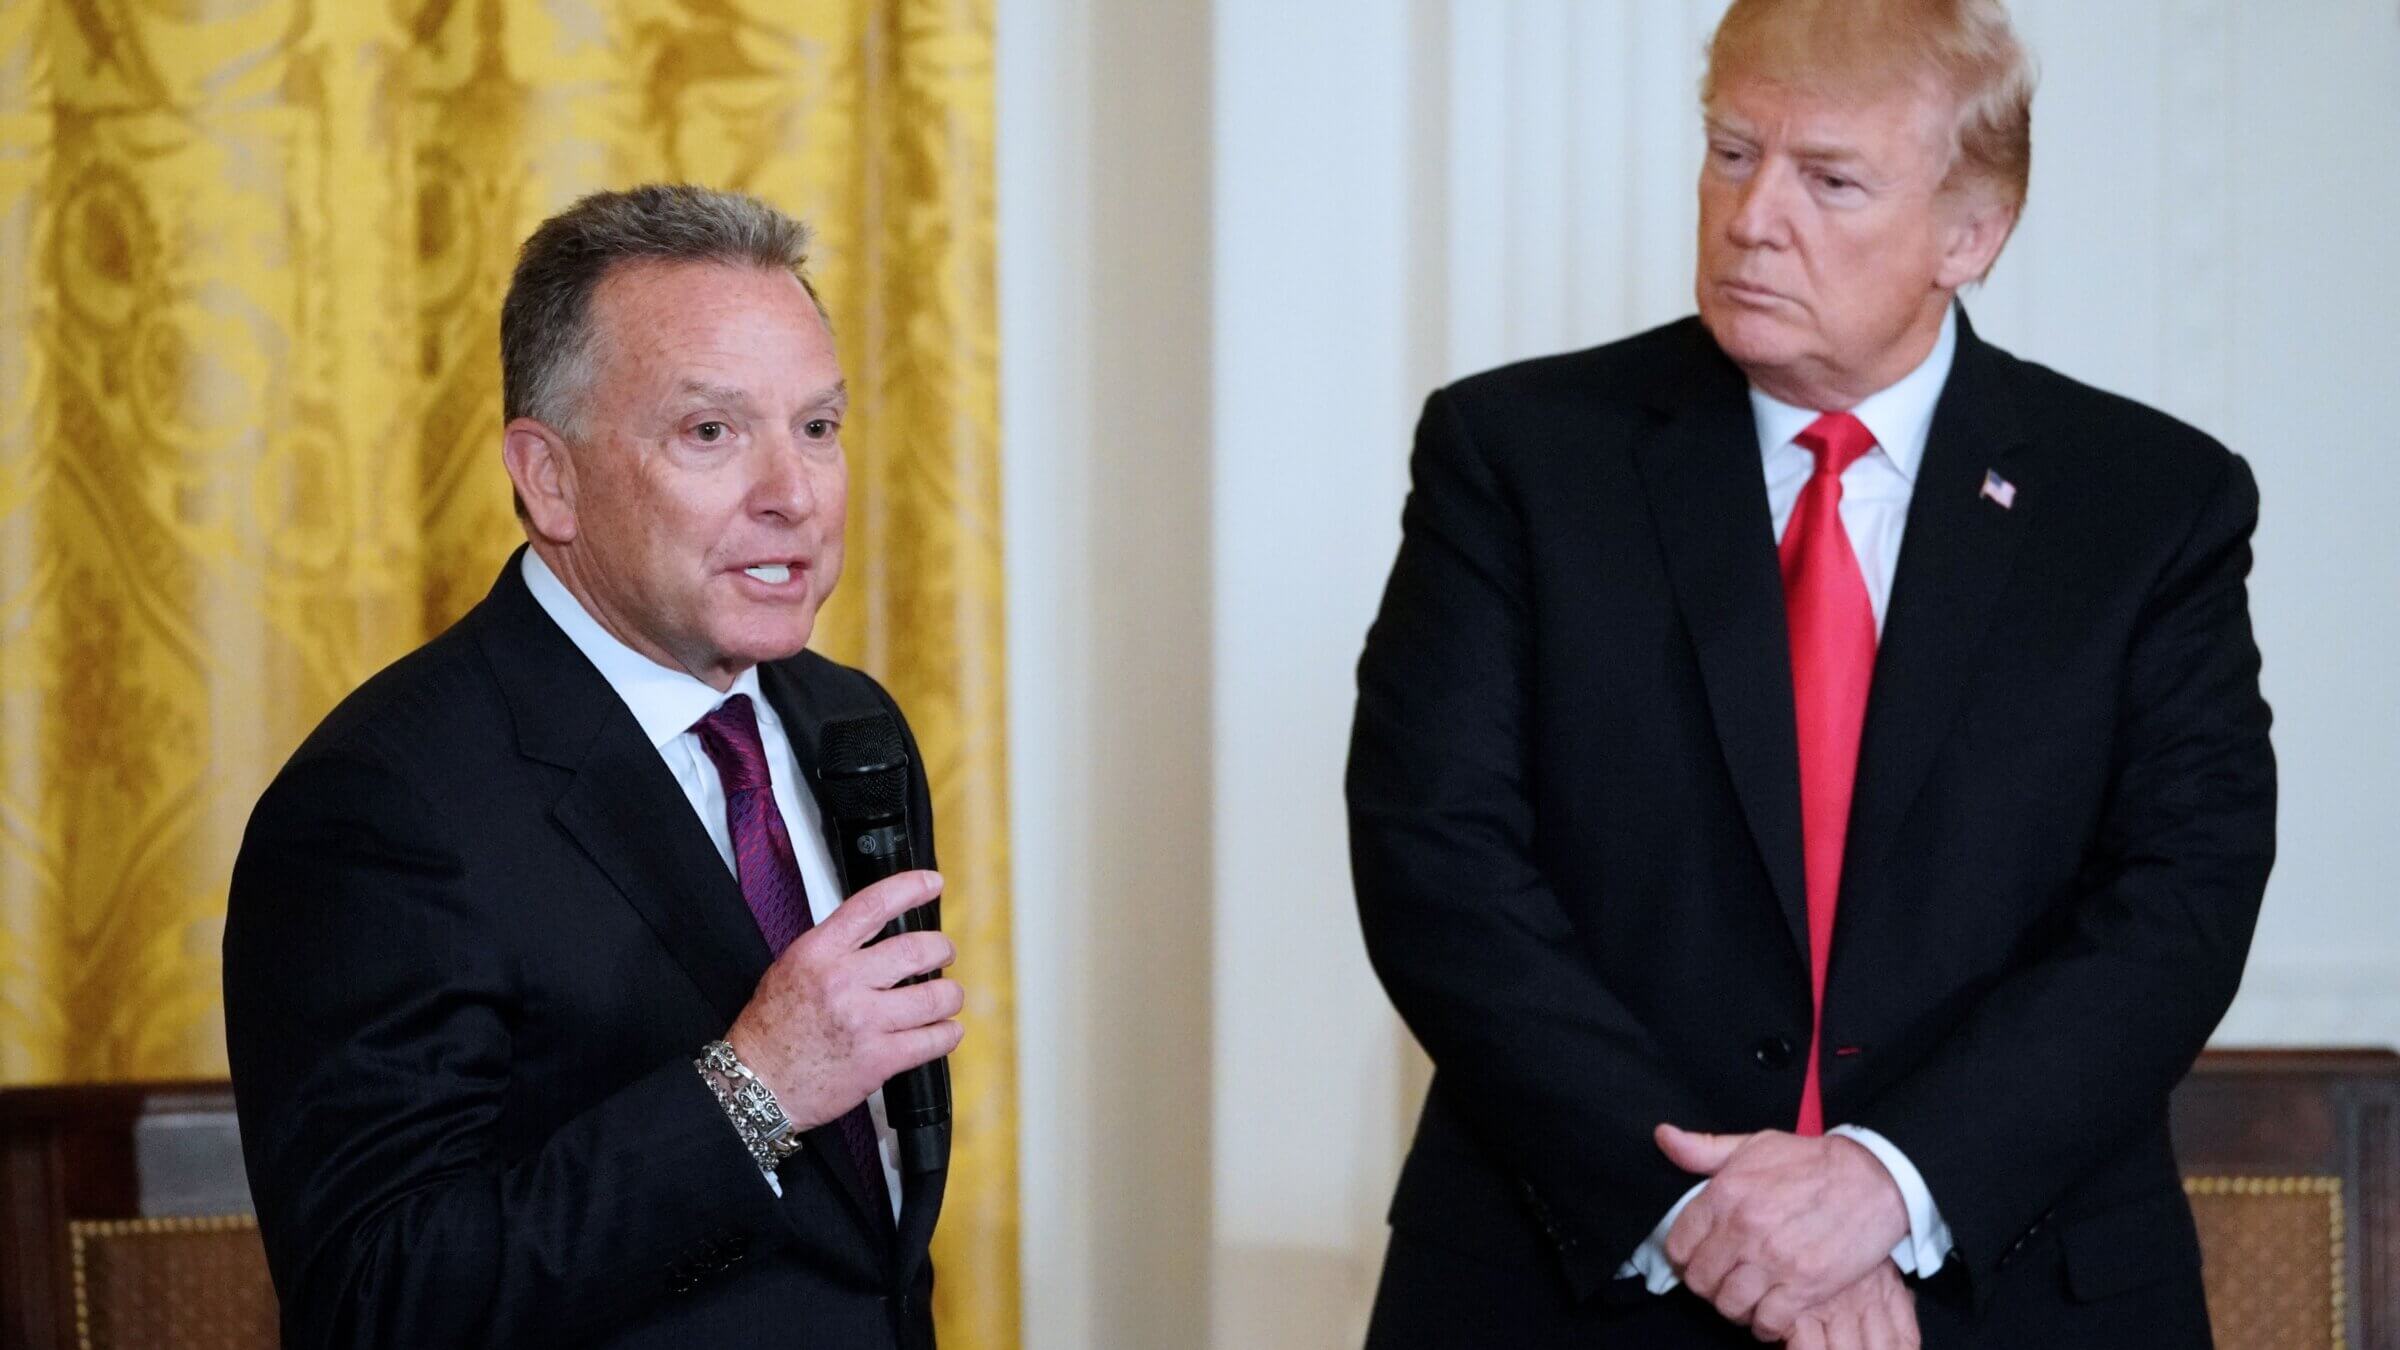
(1792, 1238)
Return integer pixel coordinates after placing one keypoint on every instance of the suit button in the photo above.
(1772, 1053)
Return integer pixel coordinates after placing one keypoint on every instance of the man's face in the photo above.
(708, 487)
(1827, 250)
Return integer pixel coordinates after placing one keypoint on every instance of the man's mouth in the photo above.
(776, 574)
(1744, 290)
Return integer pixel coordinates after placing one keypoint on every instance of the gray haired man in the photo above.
(547, 1019)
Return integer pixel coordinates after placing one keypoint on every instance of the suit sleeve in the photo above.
(2070, 1058)
(1558, 1079)
(372, 1020)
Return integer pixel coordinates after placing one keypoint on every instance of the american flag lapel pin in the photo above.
(1999, 489)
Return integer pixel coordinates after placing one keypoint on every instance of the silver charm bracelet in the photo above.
(757, 1117)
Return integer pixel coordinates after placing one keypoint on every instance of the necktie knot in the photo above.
(1837, 439)
(730, 736)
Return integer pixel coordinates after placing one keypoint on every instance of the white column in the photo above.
(1313, 400)
(1105, 326)
(1572, 148)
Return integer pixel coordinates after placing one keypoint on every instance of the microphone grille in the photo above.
(863, 764)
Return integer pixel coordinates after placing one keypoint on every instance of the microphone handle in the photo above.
(917, 1101)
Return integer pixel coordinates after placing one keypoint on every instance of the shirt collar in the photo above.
(666, 702)
(1900, 416)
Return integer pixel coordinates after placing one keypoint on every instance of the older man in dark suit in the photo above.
(548, 1022)
(1685, 799)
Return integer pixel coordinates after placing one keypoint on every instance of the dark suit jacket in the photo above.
(476, 937)
(1575, 830)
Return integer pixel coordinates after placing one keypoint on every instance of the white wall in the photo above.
(1242, 238)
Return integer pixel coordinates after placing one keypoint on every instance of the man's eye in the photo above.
(820, 428)
(709, 433)
(1835, 183)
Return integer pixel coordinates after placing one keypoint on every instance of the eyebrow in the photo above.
(1828, 154)
(1816, 152)
(700, 392)
(1849, 159)
(693, 392)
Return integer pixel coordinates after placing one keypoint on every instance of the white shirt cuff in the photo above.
(1927, 1245)
(1649, 1261)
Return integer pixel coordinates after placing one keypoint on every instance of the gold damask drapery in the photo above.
(251, 260)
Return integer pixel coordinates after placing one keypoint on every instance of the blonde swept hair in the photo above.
(1964, 50)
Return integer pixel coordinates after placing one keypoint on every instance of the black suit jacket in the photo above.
(1575, 830)
(476, 937)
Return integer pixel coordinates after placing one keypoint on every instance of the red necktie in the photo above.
(1833, 661)
(769, 874)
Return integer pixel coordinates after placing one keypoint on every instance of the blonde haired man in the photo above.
(1807, 932)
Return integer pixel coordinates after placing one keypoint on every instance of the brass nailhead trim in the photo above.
(2328, 1187)
(80, 1229)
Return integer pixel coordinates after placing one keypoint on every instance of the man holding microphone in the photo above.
(547, 1020)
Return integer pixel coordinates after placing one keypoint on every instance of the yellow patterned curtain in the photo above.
(251, 261)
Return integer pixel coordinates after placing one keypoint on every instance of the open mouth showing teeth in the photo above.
(774, 574)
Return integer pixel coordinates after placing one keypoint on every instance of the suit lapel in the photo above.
(626, 812)
(621, 805)
(1707, 493)
(1955, 559)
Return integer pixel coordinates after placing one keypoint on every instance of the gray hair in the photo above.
(546, 339)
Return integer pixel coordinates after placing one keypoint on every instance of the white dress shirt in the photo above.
(1874, 508)
(667, 703)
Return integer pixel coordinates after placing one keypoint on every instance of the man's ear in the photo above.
(1978, 228)
(544, 474)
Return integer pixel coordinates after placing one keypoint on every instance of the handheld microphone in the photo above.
(862, 764)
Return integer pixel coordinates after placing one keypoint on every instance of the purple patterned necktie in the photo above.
(770, 877)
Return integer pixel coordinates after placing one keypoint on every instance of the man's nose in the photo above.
(1762, 217)
(783, 481)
